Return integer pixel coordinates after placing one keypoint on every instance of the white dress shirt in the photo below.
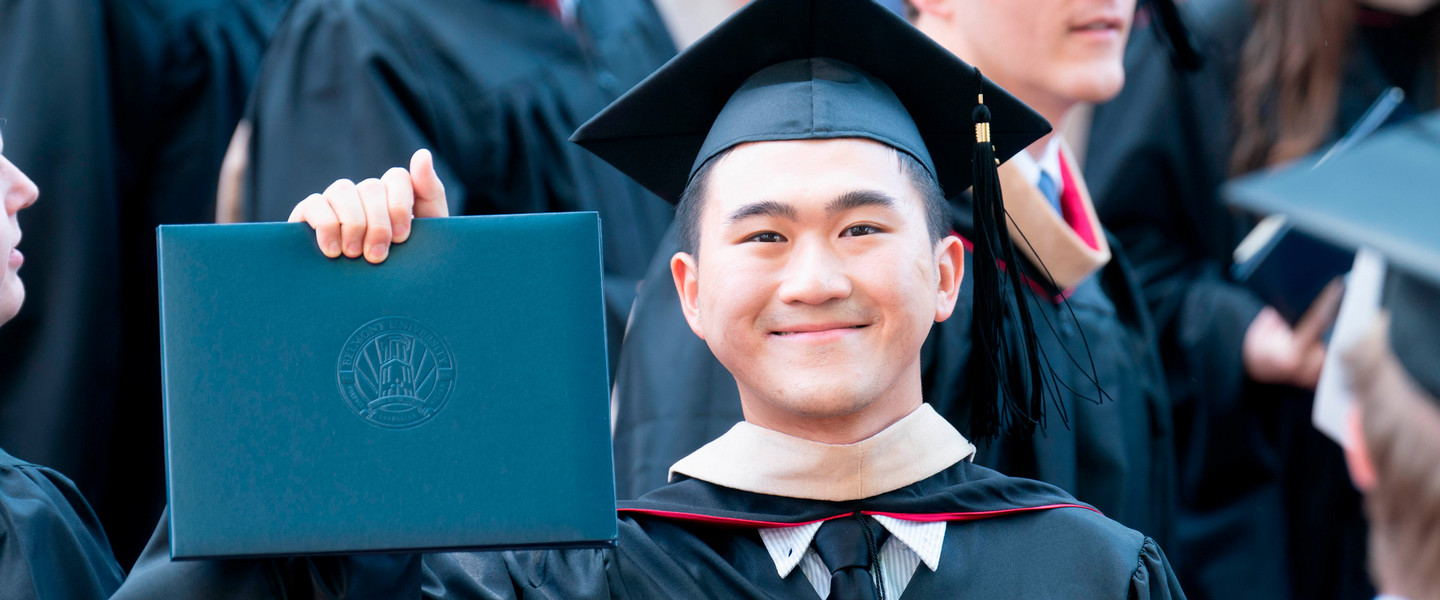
(911, 544)
(1049, 164)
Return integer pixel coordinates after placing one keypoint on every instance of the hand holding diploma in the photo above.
(365, 218)
(1273, 352)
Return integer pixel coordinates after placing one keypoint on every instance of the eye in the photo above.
(766, 237)
(859, 230)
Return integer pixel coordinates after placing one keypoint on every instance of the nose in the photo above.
(815, 274)
(19, 192)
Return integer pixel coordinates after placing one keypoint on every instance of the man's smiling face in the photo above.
(817, 279)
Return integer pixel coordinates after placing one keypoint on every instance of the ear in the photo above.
(940, 9)
(686, 271)
(1357, 454)
(950, 260)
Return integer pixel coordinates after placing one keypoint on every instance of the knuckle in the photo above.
(371, 185)
(340, 185)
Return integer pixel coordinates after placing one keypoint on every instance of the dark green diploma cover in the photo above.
(455, 396)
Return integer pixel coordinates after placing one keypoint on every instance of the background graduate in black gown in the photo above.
(492, 87)
(121, 111)
(51, 543)
(1265, 508)
(672, 395)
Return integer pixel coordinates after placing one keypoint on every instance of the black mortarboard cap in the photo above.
(1384, 193)
(806, 69)
(821, 69)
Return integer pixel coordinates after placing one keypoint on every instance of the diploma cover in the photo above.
(454, 397)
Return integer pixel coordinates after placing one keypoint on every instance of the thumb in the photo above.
(429, 191)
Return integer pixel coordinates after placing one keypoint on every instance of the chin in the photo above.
(12, 295)
(1098, 85)
(822, 399)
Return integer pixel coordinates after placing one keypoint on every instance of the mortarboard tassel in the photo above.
(1007, 396)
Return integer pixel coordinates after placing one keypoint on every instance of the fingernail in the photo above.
(353, 249)
(402, 231)
(333, 249)
(379, 251)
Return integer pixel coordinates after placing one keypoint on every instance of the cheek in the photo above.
(731, 295)
(907, 292)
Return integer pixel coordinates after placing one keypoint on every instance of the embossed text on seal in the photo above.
(396, 372)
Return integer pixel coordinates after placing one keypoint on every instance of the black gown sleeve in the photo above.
(1153, 578)
(51, 543)
(377, 576)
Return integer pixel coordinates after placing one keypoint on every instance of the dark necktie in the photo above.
(849, 552)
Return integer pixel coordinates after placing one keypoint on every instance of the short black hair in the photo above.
(692, 200)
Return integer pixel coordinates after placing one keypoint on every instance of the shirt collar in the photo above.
(788, 545)
(1049, 163)
(762, 461)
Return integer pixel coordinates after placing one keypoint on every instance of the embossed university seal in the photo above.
(396, 372)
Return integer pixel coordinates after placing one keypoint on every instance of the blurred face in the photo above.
(1049, 53)
(817, 282)
(17, 192)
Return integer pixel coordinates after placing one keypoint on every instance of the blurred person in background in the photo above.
(1395, 437)
(1265, 509)
(493, 87)
(121, 110)
(51, 543)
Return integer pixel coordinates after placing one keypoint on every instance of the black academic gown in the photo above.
(672, 396)
(181, 73)
(493, 88)
(1006, 538)
(1266, 510)
(51, 543)
(1110, 447)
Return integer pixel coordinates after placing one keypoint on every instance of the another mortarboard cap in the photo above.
(806, 69)
(1381, 194)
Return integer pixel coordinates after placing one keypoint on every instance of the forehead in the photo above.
(798, 171)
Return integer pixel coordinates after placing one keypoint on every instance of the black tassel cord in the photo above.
(1013, 395)
(1008, 397)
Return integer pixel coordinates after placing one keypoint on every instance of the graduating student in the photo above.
(121, 112)
(1382, 402)
(1265, 509)
(808, 161)
(1396, 431)
(1112, 446)
(51, 543)
(494, 87)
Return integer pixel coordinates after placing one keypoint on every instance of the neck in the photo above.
(867, 418)
(1055, 114)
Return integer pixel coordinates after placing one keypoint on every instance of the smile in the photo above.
(817, 330)
(1099, 24)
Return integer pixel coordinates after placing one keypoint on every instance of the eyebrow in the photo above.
(860, 199)
(768, 208)
(847, 201)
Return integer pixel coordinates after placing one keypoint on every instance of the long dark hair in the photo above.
(1291, 66)
(1289, 83)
